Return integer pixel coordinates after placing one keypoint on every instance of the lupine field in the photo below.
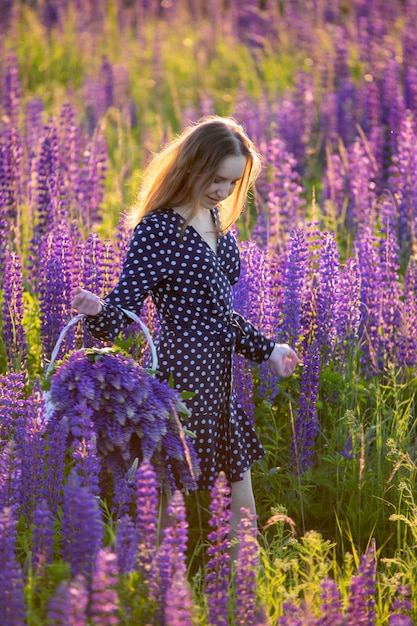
(328, 92)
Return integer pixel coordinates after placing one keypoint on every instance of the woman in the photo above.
(183, 254)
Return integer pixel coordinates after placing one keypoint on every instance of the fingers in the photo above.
(284, 360)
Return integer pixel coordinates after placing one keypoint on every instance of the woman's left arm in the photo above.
(255, 346)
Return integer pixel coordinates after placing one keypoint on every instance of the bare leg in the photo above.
(241, 497)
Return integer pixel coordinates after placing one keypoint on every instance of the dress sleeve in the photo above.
(250, 342)
(146, 265)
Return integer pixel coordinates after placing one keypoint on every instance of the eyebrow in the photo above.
(234, 180)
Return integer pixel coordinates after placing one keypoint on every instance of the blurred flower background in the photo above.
(328, 91)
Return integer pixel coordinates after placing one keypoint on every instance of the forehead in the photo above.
(232, 167)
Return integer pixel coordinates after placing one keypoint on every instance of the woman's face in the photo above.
(227, 175)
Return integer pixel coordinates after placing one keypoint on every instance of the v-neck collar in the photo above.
(215, 218)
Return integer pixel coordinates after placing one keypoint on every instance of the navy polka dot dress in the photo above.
(191, 286)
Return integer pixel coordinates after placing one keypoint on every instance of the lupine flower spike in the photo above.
(218, 566)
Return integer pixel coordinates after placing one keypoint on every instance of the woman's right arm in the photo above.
(147, 263)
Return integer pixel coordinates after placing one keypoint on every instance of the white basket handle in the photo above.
(78, 317)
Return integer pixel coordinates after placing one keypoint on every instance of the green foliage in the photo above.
(362, 482)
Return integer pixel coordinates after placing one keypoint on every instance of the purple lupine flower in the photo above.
(253, 299)
(87, 463)
(246, 571)
(31, 449)
(123, 486)
(126, 544)
(33, 126)
(10, 476)
(182, 469)
(146, 516)
(285, 203)
(14, 337)
(330, 605)
(348, 315)
(292, 615)
(393, 106)
(402, 607)
(257, 121)
(96, 269)
(372, 109)
(346, 92)
(42, 539)
(407, 350)
(306, 421)
(82, 527)
(11, 179)
(12, 602)
(328, 109)
(368, 261)
(70, 149)
(93, 179)
(361, 607)
(391, 289)
(104, 599)
(107, 81)
(361, 209)
(47, 169)
(295, 118)
(293, 288)
(410, 88)
(11, 90)
(176, 535)
(218, 566)
(55, 288)
(335, 185)
(13, 405)
(68, 606)
(328, 291)
(252, 23)
(403, 182)
(134, 415)
(56, 452)
(179, 602)
(171, 559)
(92, 269)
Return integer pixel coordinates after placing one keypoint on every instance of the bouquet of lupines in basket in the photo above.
(106, 396)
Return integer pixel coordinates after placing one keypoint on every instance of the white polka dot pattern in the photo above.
(191, 287)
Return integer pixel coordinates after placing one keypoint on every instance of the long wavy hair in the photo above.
(185, 167)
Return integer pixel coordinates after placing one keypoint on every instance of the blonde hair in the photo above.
(182, 170)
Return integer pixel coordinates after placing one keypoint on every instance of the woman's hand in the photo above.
(283, 360)
(86, 302)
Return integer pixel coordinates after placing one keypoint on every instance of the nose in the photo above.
(224, 191)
